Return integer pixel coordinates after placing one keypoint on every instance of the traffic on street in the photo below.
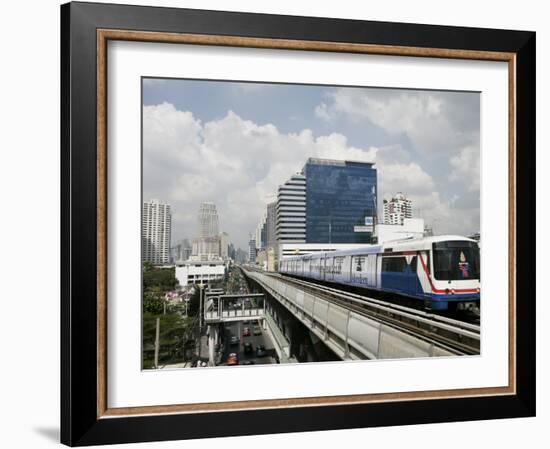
(245, 343)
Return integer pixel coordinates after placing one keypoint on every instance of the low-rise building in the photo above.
(411, 228)
(199, 272)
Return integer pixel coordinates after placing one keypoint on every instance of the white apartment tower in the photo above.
(156, 230)
(291, 210)
(397, 209)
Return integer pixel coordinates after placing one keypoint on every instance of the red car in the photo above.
(246, 332)
(232, 359)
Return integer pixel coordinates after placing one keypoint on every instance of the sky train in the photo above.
(441, 271)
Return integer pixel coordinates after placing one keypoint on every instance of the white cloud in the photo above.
(433, 121)
(238, 164)
(322, 111)
(234, 162)
(443, 128)
(466, 168)
(396, 173)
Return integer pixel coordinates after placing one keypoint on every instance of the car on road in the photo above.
(248, 362)
(234, 341)
(232, 359)
(257, 330)
(260, 351)
(248, 349)
(246, 332)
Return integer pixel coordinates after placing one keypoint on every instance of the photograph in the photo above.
(276, 224)
(286, 223)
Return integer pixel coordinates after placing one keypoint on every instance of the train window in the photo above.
(413, 264)
(329, 262)
(456, 260)
(338, 262)
(394, 264)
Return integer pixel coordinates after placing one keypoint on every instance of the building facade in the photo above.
(181, 251)
(271, 224)
(156, 231)
(397, 209)
(291, 210)
(208, 220)
(195, 272)
(411, 228)
(252, 249)
(207, 246)
(340, 201)
(224, 245)
(261, 233)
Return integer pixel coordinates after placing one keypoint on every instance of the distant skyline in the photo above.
(233, 143)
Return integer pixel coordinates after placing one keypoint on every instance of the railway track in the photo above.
(459, 337)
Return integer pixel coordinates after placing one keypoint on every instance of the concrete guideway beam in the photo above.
(349, 334)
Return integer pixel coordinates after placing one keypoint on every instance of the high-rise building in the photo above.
(208, 220)
(207, 245)
(291, 210)
(397, 209)
(252, 249)
(271, 224)
(241, 256)
(232, 252)
(261, 232)
(206, 248)
(224, 245)
(156, 230)
(340, 199)
(265, 235)
(181, 251)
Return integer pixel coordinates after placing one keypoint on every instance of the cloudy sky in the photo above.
(234, 143)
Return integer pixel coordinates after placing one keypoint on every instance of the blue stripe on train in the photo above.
(405, 282)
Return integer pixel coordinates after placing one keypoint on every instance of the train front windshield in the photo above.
(456, 261)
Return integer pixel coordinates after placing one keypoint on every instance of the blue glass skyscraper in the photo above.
(340, 201)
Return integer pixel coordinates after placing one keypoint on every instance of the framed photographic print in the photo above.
(277, 224)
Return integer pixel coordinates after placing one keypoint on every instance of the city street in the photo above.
(236, 330)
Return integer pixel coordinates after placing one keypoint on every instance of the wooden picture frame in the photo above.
(86, 29)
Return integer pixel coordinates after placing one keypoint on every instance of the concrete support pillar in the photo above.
(212, 340)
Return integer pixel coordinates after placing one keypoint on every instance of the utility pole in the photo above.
(157, 343)
(200, 307)
(200, 320)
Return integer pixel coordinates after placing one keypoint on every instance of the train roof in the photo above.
(399, 245)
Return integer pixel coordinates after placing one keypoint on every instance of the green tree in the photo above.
(175, 331)
(153, 301)
(164, 278)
